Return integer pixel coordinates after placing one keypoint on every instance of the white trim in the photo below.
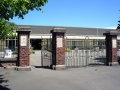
(68, 37)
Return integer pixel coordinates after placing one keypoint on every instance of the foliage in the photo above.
(15, 52)
(7, 29)
(118, 27)
(14, 8)
(67, 50)
(50, 50)
(32, 51)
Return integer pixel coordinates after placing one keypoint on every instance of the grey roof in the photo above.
(70, 30)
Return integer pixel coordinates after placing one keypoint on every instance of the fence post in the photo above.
(23, 49)
(86, 46)
(111, 47)
(58, 48)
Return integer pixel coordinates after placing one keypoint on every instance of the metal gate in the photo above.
(46, 52)
(84, 52)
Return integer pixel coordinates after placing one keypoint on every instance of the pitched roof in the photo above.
(70, 30)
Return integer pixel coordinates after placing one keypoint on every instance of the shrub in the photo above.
(49, 50)
(32, 51)
(14, 52)
(67, 50)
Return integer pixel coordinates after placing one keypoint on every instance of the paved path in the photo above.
(35, 59)
(92, 78)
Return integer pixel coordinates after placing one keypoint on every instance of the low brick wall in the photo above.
(7, 64)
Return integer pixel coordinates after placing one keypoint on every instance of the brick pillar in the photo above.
(58, 48)
(111, 47)
(23, 48)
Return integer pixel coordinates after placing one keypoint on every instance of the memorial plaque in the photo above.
(59, 42)
(114, 43)
(23, 41)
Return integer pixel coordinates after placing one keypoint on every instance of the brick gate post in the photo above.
(58, 48)
(23, 49)
(111, 47)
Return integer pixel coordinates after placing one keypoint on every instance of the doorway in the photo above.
(36, 44)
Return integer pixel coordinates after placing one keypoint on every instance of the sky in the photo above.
(75, 13)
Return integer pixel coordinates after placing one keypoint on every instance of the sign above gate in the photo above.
(59, 42)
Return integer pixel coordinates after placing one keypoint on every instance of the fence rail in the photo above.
(85, 52)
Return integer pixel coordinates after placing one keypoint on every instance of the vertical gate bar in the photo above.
(80, 53)
(104, 50)
(0, 48)
(82, 61)
(65, 51)
(72, 52)
(84, 58)
(42, 52)
(89, 51)
(50, 49)
(95, 52)
(86, 41)
(73, 44)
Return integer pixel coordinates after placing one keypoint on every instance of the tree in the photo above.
(118, 27)
(14, 8)
(7, 29)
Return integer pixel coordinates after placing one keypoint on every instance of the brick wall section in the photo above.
(7, 64)
(58, 53)
(114, 50)
(111, 53)
(24, 53)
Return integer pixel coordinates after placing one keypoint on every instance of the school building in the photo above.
(75, 36)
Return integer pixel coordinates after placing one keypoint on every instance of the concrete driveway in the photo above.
(87, 78)
(91, 78)
(36, 60)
